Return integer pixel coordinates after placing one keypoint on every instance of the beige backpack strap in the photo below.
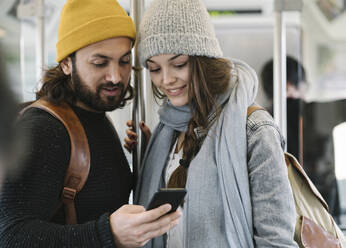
(292, 161)
(79, 165)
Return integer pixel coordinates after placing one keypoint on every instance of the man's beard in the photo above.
(93, 99)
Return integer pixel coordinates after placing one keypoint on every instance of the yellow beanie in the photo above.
(84, 22)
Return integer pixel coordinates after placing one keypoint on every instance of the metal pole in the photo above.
(40, 43)
(29, 10)
(138, 76)
(280, 111)
(280, 78)
(301, 105)
(22, 60)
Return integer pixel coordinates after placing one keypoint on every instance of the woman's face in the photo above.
(171, 74)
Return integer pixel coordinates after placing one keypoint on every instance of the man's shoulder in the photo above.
(36, 121)
(37, 116)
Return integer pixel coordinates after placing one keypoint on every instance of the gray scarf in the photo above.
(177, 118)
(231, 163)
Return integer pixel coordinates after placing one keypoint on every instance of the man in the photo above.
(295, 79)
(94, 55)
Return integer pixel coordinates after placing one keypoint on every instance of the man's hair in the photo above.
(294, 70)
(58, 87)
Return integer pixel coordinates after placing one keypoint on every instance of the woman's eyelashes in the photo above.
(181, 65)
(154, 69)
(178, 66)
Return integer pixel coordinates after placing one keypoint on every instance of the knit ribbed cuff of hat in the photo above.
(190, 44)
(94, 31)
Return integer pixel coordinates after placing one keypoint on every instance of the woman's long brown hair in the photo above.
(209, 78)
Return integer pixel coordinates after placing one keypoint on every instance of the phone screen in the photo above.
(173, 196)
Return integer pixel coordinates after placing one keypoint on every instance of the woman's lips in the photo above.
(176, 91)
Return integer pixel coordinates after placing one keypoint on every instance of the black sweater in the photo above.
(27, 201)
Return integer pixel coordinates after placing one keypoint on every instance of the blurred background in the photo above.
(316, 72)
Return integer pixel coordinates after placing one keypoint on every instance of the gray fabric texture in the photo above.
(219, 209)
(177, 27)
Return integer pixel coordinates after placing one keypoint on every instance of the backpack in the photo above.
(315, 227)
(79, 165)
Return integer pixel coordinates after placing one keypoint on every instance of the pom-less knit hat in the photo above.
(84, 22)
(177, 27)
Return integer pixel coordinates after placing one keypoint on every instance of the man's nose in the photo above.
(113, 74)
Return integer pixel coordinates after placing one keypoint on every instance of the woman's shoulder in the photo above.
(259, 118)
(243, 70)
(261, 123)
(242, 65)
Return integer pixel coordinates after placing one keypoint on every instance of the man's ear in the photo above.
(66, 65)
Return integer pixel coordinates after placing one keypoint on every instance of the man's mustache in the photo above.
(110, 85)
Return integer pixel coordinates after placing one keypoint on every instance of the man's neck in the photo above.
(85, 107)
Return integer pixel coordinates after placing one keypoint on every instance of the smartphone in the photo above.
(173, 196)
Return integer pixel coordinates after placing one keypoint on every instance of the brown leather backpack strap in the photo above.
(252, 109)
(79, 165)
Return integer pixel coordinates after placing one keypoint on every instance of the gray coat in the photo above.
(273, 211)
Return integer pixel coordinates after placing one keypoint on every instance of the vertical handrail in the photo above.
(280, 111)
(301, 118)
(280, 77)
(22, 60)
(138, 76)
(29, 10)
(40, 41)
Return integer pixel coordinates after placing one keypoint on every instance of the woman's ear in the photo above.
(66, 65)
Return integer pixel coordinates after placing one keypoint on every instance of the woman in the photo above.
(232, 166)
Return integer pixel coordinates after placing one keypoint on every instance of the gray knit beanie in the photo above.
(177, 27)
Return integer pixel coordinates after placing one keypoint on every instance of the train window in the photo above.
(339, 136)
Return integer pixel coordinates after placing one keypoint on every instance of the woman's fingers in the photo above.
(131, 136)
(129, 123)
(130, 144)
(146, 131)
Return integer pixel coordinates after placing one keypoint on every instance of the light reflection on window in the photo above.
(339, 135)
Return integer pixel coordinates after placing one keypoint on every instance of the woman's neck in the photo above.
(180, 142)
